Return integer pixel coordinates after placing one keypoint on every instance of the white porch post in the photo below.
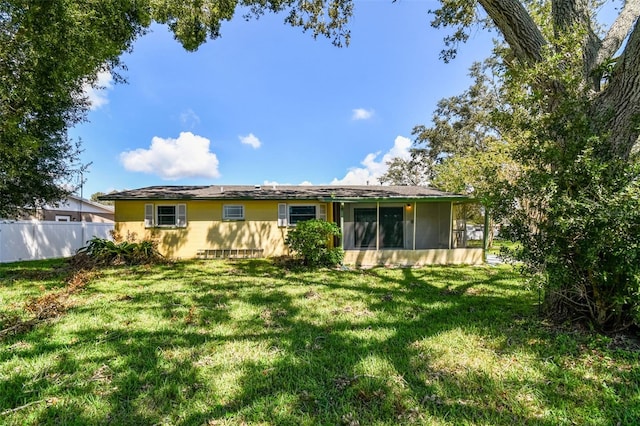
(342, 225)
(450, 224)
(377, 226)
(415, 217)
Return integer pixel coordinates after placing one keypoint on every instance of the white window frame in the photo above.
(282, 214)
(227, 216)
(63, 218)
(151, 216)
(321, 212)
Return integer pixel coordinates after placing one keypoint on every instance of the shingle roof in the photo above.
(282, 192)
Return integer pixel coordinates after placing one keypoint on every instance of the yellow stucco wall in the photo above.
(459, 256)
(205, 228)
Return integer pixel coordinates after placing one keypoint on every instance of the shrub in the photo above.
(572, 206)
(107, 252)
(310, 242)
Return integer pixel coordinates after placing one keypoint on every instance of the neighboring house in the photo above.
(74, 209)
(55, 231)
(380, 224)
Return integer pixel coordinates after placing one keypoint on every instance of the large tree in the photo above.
(573, 202)
(417, 170)
(615, 107)
(50, 51)
(571, 122)
(464, 142)
(552, 149)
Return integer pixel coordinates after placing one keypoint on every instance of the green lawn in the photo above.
(216, 343)
(499, 244)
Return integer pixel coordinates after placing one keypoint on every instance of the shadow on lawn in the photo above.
(45, 273)
(316, 370)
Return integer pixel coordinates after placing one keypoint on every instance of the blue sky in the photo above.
(267, 103)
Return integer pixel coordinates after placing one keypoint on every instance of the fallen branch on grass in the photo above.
(29, 404)
(45, 307)
(18, 327)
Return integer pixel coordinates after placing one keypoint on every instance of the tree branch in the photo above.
(518, 28)
(29, 404)
(618, 31)
(618, 106)
(569, 15)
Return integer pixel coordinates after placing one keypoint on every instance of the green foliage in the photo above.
(463, 124)
(327, 18)
(579, 229)
(463, 146)
(417, 170)
(106, 252)
(532, 148)
(96, 198)
(526, 139)
(50, 51)
(310, 241)
(193, 22)
(574, 205)
(456, 14)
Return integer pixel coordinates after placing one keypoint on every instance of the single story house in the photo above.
(72, 209)
(403, 225)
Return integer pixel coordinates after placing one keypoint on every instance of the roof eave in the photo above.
(433, 198)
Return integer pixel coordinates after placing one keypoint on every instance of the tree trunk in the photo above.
(519, 30)
(618, 106)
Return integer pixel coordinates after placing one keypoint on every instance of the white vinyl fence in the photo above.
(33, 240)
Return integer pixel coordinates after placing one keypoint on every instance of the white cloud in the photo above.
(189, 118)
(362, 114)
(97, 93)
(374, 168)
(250, 139)
(172, 159)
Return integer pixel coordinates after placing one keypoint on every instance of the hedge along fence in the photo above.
(35, 240)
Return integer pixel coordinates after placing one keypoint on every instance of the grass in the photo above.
(246, 342)
(499, 244)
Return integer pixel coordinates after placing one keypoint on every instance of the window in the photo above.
(301, 213)
(63, 218)
(232, 212)
(165, 215)
(289, 215)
